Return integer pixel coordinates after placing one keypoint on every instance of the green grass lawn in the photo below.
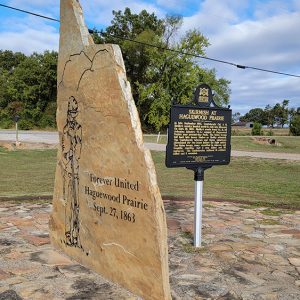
(288, 144)
(260, 181)
(236, 130)
(27, 172)
(151, 138)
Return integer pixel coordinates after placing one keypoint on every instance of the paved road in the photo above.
(51, 137)
(48, 137)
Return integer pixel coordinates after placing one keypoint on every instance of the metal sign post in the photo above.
(199, 177)
(17, 134)
(16, 119)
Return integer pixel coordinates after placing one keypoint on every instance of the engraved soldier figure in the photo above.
(71, 150)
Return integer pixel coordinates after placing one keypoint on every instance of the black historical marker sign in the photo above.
(199, 133)
(16, 118)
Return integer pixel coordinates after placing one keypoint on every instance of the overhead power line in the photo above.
(196, 55)
(30, 13)
(163, 48)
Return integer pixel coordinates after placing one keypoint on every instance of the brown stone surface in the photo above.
(295, 261)
(261, 265)
(4, 275)
(35, 240)
(107, 209)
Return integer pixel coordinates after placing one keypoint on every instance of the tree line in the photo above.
(158, 78)
(273, 116)
(28, 89)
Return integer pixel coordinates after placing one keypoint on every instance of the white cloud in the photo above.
(28, 35)
(29, 41)
(269, 44)
(272, 8)
(257, 89)
(296, 4)
(267, 40)
(99, 12)
(214, 15)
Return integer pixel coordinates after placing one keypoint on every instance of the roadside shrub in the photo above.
(6, 123)
(48, 118)
(47, 121)
(270, 133)
(25, 124)
(295, 126)
(5, 119)
(256, 130)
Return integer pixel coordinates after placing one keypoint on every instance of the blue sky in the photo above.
(258, 33)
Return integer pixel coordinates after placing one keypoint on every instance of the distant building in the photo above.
(243, 124)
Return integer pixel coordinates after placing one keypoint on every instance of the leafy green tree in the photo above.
(255, 115)
(295, 125)
(9, 60)
(3, 88)
(281, 112)
(159, 77)
(28, 85)
(278, 114)
(269, 113)
(295, 122)
(292, 113)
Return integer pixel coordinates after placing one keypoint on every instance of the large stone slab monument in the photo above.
(107, 209)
